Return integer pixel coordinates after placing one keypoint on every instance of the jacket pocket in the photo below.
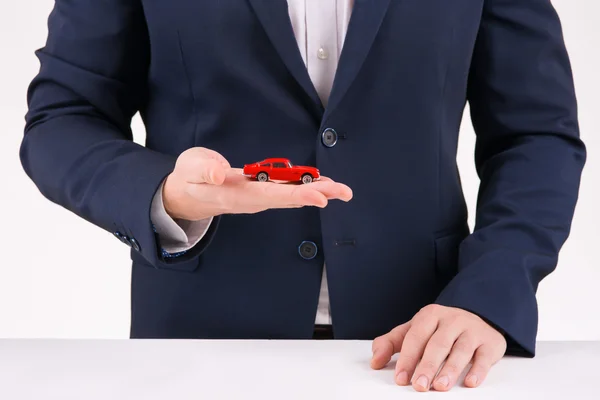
(173, 265)
(447, 250)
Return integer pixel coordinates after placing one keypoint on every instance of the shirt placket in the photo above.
(321, 45)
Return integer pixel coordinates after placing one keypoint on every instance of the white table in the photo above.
(281, 370)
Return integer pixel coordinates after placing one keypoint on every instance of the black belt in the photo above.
(323, 332)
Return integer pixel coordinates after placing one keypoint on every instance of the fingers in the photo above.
(459, 358)
(338, 191)
(333, 190)
(267, 195)
(436, 347)
(413, 348)
(285, 196)
(485, 357)
(436, 351)
(384, 347)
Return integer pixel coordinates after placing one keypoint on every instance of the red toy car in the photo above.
(280, 169)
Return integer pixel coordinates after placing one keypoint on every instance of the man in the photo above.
(372, 93)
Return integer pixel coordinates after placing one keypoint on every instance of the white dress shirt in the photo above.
(320, 28)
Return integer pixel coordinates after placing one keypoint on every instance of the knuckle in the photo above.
(397, 328)
(397, 333)
(464, 345)
(502, 345)
(459, 321)
(453, 368)
(407, 359)
(481, 367)
(429, 309)
(429, 313)
(429, 319)
(487, 355)
(442, 342)
(422, 318)
(461, 347)
(417, 335)
(497, 338)
(455, 319)
(428, 366)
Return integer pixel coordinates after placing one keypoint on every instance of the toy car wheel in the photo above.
(262, 177)
(307, 178)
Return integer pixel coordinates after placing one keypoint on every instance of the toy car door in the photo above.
(280, 171)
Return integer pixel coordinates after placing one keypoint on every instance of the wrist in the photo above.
(180, 205)
(170, 201)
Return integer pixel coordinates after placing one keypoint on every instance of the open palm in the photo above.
(203, 184)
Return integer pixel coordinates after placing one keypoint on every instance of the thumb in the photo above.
(199, 165)
(211, 171)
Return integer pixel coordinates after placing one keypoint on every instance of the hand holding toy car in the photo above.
(204, 185)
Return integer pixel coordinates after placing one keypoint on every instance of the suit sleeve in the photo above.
(529, 158)
(78, 146)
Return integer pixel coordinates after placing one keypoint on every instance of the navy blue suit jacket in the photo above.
(227, 75)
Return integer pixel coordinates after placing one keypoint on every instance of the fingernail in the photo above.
(374, 353)
(443, 381)
(402, 378)
(472, 380)
(422, 381)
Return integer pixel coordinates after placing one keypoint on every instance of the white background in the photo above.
(62, 277)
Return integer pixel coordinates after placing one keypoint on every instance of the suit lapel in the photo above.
(365, 21)
(274, 16)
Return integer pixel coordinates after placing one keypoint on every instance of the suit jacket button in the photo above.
(121, 237)
(307, 250)
(329, 137)
(135, 244)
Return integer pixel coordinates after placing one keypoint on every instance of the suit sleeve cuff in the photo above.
(175, 236)
(504, 300)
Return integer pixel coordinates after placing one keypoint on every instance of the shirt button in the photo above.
(329, 137)
(322, 54)
(307, 250)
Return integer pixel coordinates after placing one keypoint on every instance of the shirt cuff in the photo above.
(175, 235)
